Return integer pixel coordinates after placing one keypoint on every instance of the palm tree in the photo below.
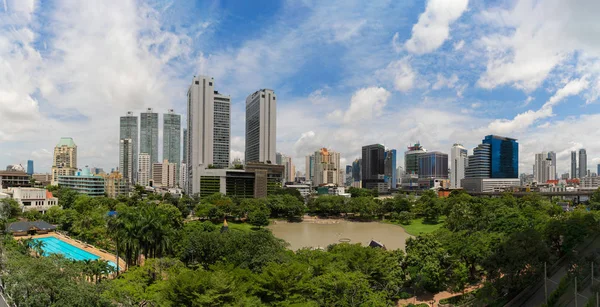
(38, 247)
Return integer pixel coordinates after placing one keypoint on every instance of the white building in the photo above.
(33, 199)
(164, 174)
(208, 130)
(261, 123)
(490, 184)
(326, 167)
(182, 175)
(458, 163)
(65, 159)
(144, 169)
(544, 168)
(589, 182)
(126, 160)
(304, 189)
(289, 170)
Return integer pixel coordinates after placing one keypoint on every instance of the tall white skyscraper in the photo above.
(208, 130)
(126, 160)
(261, 122)
(172, 137)
(149, 134)
(144, 169)
(289, 171)
(458, 163)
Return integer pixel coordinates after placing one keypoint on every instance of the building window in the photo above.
(209, 83)
(197, 82)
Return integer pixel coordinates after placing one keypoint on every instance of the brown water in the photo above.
(310, 234)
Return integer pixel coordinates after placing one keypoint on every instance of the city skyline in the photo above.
(546, 106)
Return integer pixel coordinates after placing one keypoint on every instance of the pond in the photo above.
(321, 233)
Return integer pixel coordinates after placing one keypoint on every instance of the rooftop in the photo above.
(66, 141)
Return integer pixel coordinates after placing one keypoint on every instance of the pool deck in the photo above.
(86, 247)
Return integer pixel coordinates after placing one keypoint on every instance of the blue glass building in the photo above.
(29, 167)
(390, 168)
(504, 156)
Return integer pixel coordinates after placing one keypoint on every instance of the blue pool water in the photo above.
(56, 246)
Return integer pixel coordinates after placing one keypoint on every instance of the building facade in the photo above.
(373, 162)
(10, 179)
(357, 170)
(129, 130)
(478, 165)
(261, 123)
(126, 160)
(310, 167)
(164, 174)
(574, 173)
(504, 156)
(544, 168)
(208, 130)
(289, 170)
(30, 199)
(458, 164)
(30, 167)
(582, 163)
(65, 159)
(326, 167)
(149, 134)
(433, 164)
(411, 158)
(83, 182)
(144, 169)
(390, 168)
(172, 137)
(115, 184)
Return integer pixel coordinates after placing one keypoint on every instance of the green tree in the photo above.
(258, 217)
(9, 209)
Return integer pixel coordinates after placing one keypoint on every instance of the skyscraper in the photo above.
(433, 164)
(458, 163)
(129, 130)
(326, 167)
(65, 159)
(279, 158)
(172, 137)
(574, 165)
(289, 171)
(390, 168)
(144, 169)
(582, 163)
(356, 170)
(504, 154)
(310, 167)
(208, 130)
(479, 164)
(544, 168)
(149, 134)
(261, 122)
(126, 160)
(411, 158)
(373, 167)
(185, 145)
(30, 167)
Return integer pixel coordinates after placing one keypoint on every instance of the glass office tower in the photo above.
(504, 154)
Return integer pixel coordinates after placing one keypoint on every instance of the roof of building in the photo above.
(26, 226)
(13, 173)
(65, 141)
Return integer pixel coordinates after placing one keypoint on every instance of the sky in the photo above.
(346, 73)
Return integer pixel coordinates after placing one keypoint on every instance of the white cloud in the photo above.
(366, 104)
(443, 82)
(400, 73)
(531, 39)
(396, 44)
(459, 45)
(433, 27)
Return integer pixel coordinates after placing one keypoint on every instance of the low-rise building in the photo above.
(10, 179)
(115, 184)
(256, 181)
(304, 189)
(490, 184)
(33, 199)
(42, 180)
(83, 182)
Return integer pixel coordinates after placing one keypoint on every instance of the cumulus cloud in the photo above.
(366, 104)
(443, 82)
(433, 27)
(400, 73)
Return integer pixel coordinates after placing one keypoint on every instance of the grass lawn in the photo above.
(236, 226)
(417, 226)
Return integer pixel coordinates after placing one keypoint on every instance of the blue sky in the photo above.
(347, 73)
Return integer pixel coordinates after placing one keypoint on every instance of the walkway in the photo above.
(433, 300)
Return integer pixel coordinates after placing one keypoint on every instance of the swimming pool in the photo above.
(54, 245)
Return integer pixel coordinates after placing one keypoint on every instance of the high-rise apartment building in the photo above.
(208, 130)
(458, 164)
(411, 158)
(144, 169)
(30, 167)
(182, 175)
(164, 174)
(126, 160)
(289, 170)
(479, 164)
(185, 145)
(544, 168)
(149, 134)
(390, 168)
(172, 137)
(373, 157)
(326, 167)
(310, 167)
(279, 158)
(261, 123)
(574, 173)
(582, 163)
(129, 130)
(65, 159)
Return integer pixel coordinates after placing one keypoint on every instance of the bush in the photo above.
(562, 288)
(405, 217)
